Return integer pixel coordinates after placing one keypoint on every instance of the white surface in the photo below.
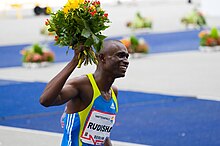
(210, 7)
(165, 15)
(191, 73)
(22, 137)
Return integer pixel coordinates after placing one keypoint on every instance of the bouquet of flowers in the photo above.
(78, 23)
(37, 54)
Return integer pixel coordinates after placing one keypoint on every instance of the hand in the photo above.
(77, 50)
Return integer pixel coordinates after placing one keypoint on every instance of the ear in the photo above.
(102, 57)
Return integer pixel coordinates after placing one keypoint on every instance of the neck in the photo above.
(103, 81)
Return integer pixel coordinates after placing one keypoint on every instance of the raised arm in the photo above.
(57, 92)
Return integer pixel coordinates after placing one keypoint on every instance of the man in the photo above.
(91, 99)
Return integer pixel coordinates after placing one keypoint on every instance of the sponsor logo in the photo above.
(102, 117)
(112, 106)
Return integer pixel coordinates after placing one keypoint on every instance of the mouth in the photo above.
(123, 67)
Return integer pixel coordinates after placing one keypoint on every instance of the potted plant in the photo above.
(195, 19)
(36, 55)
(140, 22)
(209, 40)
(135, 46)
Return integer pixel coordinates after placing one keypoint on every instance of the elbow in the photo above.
(43, 102)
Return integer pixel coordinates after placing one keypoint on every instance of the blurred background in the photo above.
(170, 95)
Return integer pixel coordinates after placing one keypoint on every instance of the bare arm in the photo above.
(55, 92)
(107, 142)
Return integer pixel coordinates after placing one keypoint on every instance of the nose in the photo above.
(125, 61)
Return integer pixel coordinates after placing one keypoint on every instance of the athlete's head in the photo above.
(113, 58)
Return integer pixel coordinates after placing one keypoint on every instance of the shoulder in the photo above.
(115, 89)
(82, 85)
(78, 82)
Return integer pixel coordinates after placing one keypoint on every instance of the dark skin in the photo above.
(78, 92)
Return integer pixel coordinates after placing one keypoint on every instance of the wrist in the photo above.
(72, 65)
(74, 60)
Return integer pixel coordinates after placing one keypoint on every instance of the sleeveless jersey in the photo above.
(92, 125)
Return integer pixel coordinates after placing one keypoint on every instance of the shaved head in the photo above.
(112, 59)
(109, 46)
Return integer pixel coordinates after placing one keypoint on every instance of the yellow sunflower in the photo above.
(72, 4)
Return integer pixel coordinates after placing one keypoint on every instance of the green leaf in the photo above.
(89, 42)
(77, 31)
(37, 49)
(214, 33)
(86, 33)
(51, 29)
(101, 37)
(98, 46)
(134, 40)
(95, 39)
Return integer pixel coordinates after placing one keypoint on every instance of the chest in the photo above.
(101, 104)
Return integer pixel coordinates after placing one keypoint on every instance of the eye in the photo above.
(122, 55)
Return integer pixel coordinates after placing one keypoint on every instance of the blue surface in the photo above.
(158, 43)
(21, 99)
(10, 55)
(144, 118)
(171, 42)
(20, 106)
(167, 120)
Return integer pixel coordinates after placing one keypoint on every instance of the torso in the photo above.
(91, 122)
(85, 97)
